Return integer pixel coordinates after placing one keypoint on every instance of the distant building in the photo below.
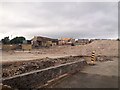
(26, 45)
(82, 41)
(66, 41)
(39, 41)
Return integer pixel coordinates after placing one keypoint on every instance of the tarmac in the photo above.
(101, 75)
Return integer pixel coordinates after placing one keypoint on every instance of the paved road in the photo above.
(85, 80)
(102, 75)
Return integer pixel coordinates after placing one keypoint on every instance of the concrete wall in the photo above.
(26, 46)
(40, 77)
(9, 47)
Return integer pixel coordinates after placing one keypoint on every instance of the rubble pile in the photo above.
(16, 68)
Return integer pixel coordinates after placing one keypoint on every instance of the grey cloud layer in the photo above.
(60, 19)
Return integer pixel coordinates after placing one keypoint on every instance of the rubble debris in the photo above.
(17, 68)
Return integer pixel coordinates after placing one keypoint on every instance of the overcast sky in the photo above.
(59, 19)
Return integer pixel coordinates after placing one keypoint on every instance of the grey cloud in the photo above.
(61, 19)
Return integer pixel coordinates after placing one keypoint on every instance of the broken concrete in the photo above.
(39, 77)
(16, 68)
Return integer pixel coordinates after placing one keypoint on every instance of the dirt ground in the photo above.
(16, 62)
(101, 47)
(103, 74)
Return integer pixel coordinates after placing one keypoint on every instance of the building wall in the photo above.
(43, 42)
(49, 43)
(54, 44)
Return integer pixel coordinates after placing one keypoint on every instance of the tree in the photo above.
(17, 40)
(6, 40)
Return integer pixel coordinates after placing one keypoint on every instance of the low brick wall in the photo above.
(40, 77)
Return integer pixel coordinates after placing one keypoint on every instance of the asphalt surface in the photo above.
(85, 80)
(101, 75)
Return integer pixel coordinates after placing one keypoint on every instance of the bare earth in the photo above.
(103, 74)
(102, 47)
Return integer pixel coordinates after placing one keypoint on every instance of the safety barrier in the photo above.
(93, 58)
